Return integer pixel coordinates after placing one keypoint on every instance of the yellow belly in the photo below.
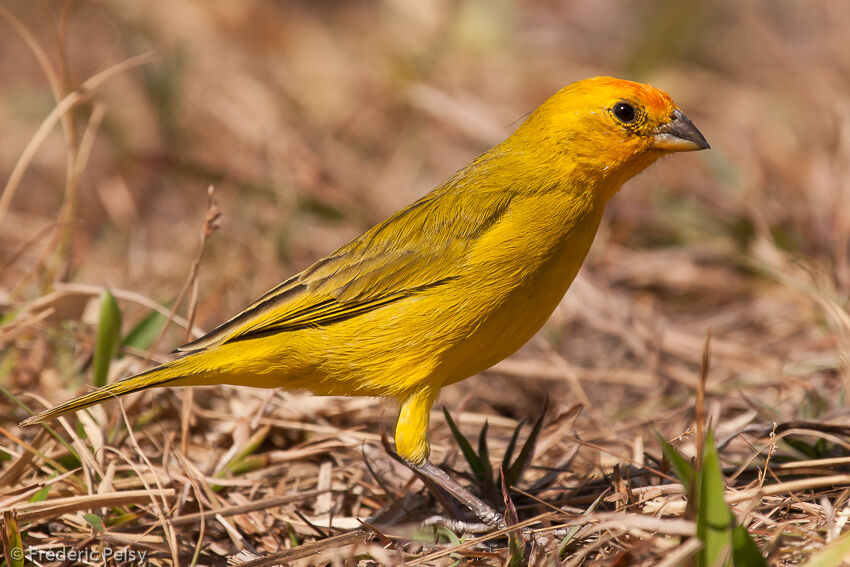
(520, 312)
(466, 326)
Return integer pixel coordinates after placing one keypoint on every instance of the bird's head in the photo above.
(607, 130)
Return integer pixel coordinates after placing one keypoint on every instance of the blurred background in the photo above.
(316, 119)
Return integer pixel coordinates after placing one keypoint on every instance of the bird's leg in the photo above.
(411, 440)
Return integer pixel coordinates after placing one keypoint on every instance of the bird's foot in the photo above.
(433, 475)
(458, 526)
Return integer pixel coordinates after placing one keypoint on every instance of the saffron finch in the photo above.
(449, 285)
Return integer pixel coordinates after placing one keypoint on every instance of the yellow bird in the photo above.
(451, 284)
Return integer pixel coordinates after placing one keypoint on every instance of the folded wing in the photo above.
(418, 248)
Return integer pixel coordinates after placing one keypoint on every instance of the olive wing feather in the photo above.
(421, 246)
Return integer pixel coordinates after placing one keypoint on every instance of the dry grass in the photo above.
(315, 120)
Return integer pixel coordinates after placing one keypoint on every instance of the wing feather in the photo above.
(421, 246)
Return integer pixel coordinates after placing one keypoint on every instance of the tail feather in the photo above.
(163, 375)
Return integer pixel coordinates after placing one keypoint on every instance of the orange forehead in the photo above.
(654, 100)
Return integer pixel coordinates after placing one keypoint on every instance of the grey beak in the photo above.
(679, 135)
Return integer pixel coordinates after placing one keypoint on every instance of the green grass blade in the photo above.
(42, 494)
(293, 537)
(745, 552)
(683, 470)
(108, 337)
(526, 453)
(243, 457)
(571, 531)
(12, 542)
(487, 481)
(95, 522)
(517, 548)
(468, 452)
(483, 451)
(724, 543)
(146, 331)
(714, 519)
(509, 452)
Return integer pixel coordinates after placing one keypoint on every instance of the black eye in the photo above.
(624, 111)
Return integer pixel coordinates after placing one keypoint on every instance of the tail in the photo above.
(169, 374)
